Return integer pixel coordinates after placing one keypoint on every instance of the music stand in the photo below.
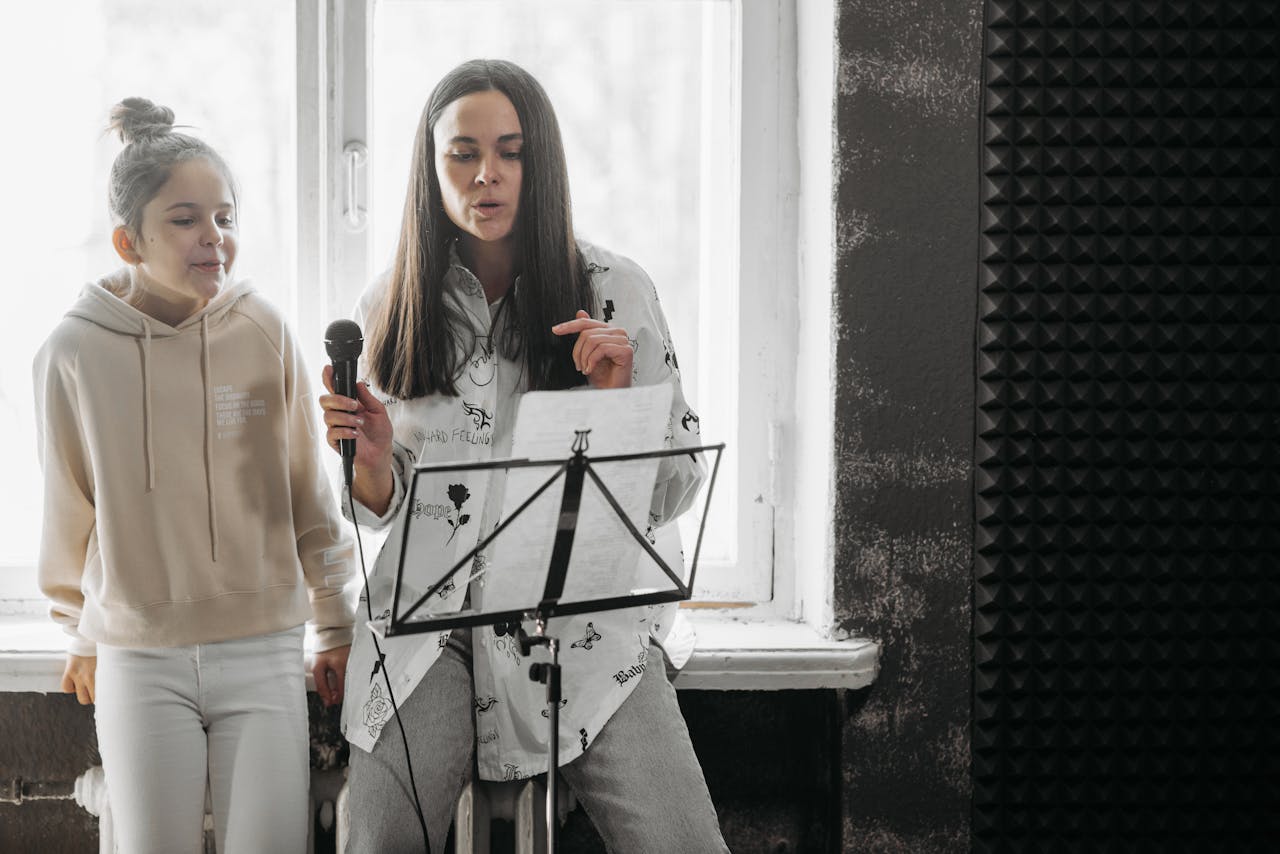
(576, 470)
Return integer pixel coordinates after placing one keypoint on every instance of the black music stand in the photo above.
(576, 470)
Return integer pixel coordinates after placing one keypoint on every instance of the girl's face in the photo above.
(478, 143)
(188, 238)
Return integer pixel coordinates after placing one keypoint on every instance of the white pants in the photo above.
(232, 715)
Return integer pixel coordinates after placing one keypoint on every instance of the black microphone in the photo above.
(344, 343)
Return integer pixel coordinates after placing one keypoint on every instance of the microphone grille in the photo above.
(342, 340)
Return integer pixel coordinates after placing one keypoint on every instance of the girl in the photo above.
(490, 296)
(188, 530)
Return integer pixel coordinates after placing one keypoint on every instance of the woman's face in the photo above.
(478, 163)
(187, 242)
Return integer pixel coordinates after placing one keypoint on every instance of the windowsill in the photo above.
(31, 653)
(752, 649)
(737, 650)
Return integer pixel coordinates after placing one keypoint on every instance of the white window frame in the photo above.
(334, 87)
(782, 462)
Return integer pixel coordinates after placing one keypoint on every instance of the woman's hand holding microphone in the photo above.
(602, 352)
(364, 419)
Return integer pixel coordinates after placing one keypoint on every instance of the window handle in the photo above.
(354, 157)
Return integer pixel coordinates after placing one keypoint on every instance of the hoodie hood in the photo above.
(100, 303)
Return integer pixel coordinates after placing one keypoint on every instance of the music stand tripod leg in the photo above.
(548, 673)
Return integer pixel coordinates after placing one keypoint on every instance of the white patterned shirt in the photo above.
(601, 654)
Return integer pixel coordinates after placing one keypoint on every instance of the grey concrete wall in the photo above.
(906, 223)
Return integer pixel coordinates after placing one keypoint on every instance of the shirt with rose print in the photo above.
(602, 654)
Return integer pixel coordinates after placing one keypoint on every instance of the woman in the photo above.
(490, 295)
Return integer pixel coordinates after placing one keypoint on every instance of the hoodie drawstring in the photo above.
(208, 432)
(146, 405)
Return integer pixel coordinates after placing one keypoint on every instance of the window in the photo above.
(678, 118)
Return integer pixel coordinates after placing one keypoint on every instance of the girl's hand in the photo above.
(78, 677)
(364, 419)
(602, 352)
(329, 670)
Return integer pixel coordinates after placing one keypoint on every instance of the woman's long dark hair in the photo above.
(417, 343)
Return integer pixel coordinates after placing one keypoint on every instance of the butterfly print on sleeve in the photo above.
(588, 639)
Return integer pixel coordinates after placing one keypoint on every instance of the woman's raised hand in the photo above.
(602, 352)
(365, 420)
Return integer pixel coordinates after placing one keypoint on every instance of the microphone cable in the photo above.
(386, 677)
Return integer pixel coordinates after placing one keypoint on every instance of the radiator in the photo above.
(89, 790)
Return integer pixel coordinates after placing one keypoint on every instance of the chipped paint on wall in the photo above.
(907, 53)
(854, 230)
(908, 78)
(935, 89)
(855, 383)
(852, 152)
(894, 577)
(862, 469)
(886, 840)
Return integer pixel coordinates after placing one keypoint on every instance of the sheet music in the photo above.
(605, 555)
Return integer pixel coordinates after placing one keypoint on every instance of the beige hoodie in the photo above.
(184, 501)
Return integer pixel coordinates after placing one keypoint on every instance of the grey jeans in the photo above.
(639, 781)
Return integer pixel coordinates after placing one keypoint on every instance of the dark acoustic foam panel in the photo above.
(1127, 575)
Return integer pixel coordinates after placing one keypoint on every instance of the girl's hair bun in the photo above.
(137, 120)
